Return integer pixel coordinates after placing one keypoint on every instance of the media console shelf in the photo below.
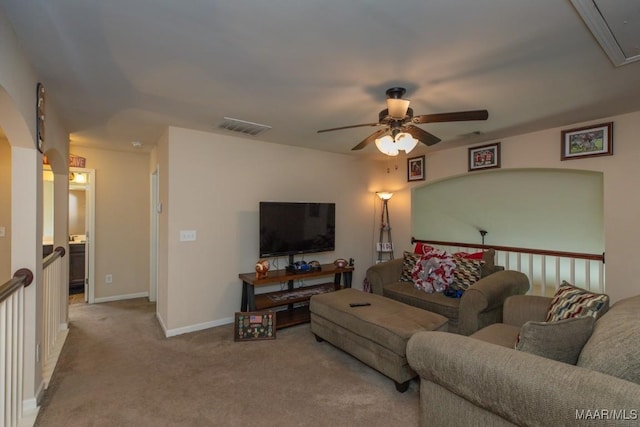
(292, 303)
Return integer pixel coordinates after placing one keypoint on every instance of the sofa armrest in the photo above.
(519, 309)
(522, 388)
(487, 294)
(384, 273)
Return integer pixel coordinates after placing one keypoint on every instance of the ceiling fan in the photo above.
(398, 122)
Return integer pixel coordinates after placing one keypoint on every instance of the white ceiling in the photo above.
(122, 70)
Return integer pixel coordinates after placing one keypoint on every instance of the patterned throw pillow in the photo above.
(467, 272)
(434, 271)
(570, 301)
(408, 263)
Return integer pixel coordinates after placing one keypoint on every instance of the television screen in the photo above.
(289, 228)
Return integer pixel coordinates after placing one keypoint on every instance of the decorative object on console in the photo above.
(588, 141)
(262, 268)
(484, 157)
(341, 263)
(415, 169)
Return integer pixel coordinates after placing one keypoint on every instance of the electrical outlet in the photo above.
(187, 235)
(108, 278)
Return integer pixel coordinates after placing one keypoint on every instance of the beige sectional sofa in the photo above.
(479, 306)
(470, 381)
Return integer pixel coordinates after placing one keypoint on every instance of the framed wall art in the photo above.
(254, 325)
(484, 157)
(589, 141)
(415, 169)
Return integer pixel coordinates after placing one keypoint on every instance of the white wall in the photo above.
(541, 150)
(214, 185)
(555, 209)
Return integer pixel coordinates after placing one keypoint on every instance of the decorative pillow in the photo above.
(422, 248)
(475, 255)
(571, 301)
(408, 263)
(467, 272)
(434, 271)
(562, 340)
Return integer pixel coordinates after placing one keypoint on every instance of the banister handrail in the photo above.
(22, 277)
(58, 252)
(577, 255)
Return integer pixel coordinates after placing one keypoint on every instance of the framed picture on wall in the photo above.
(484, 157)
(415, 169)
(596, 140)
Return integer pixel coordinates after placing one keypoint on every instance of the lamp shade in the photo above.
(397, 107)
(387, 146)
(406, 142)
(384, 195)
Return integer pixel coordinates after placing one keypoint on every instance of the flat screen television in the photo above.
(290, 228)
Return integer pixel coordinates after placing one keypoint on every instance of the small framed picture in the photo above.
(596, 140)
(484, 157)
(257, 325)
(415, 169)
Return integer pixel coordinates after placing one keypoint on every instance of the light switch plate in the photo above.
(187, 235)
(2, 232)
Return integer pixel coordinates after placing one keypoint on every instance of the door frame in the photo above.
(156, 209)
(90, 224)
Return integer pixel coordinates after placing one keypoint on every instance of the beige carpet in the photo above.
(118, 369)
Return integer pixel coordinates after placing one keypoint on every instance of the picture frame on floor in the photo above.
(254, 325)
(588, 141)
(484, 157)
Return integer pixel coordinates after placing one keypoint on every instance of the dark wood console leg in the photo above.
(402, 387)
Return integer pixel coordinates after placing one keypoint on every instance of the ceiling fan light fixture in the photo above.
(406, 142)
(387, 146)
(397, 107)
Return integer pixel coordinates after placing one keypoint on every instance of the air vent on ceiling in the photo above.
(616, 26)
(243, 126)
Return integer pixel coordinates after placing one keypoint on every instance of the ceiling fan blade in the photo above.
(349, 127)
(370, 138)
(458, 116)
(422, 135)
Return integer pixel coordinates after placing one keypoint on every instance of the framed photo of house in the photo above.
(254, 325)
(589, 141)
(484, 157)
(415, 169)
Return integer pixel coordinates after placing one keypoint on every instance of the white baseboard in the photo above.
(193, 328)
(122, 297)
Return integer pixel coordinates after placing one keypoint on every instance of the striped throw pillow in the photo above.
(571, 301)
(467, 272)
(409, 261)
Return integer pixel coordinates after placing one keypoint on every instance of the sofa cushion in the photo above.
(562, 340)
(571, 301)
(613, 346)
(435, 302)
(500, 334)
(409, 261)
